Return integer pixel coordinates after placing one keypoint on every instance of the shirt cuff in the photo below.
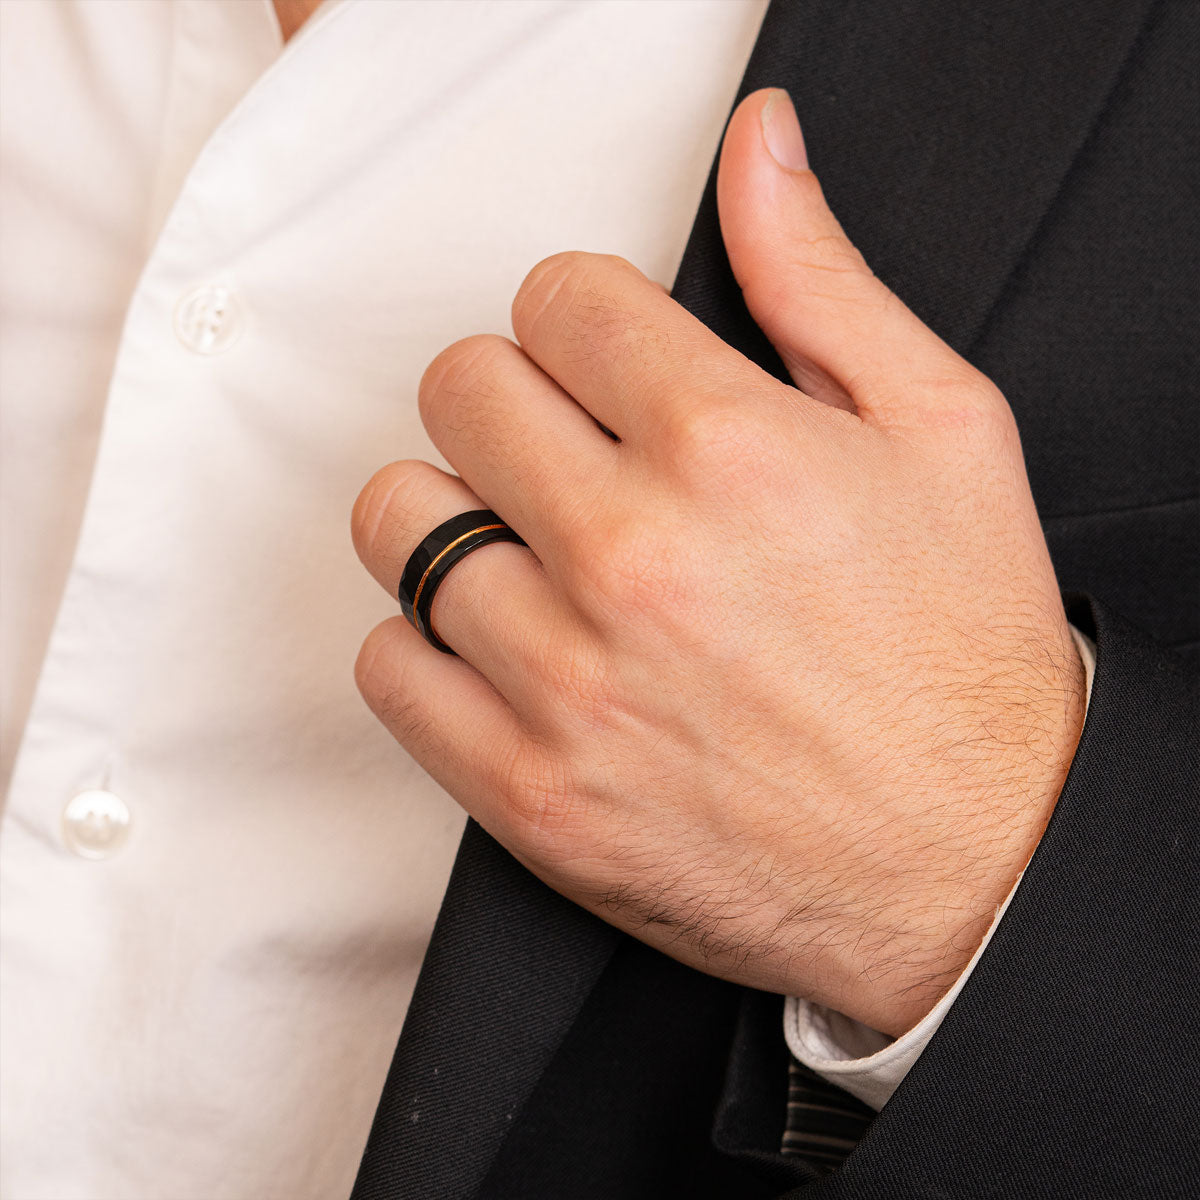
(860, 1060)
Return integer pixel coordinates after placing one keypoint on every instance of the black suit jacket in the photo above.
(1024, 174)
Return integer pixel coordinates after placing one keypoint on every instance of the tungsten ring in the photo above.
(432, 560)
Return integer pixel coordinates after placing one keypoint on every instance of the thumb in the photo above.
(844, 337)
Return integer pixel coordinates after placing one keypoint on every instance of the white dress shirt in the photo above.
(224, 264)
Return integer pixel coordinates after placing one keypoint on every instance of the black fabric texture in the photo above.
(508, 966)
(1024, 175)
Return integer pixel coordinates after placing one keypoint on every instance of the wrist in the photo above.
(922, 954)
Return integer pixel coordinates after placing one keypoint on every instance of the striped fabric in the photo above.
(824, 1123)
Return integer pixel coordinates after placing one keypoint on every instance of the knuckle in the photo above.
(721, 448)
(989, 400)
(382, 679)
(368, 510)
(827, 248)
(398, 497)
(464, 368)
(565, 290)
(706, 431)
(365, 665)
(968, 403)
(543, 288)
(995, 427)
(626, 566)
(543, 802)
(833, 253)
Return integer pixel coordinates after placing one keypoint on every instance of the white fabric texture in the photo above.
(224, 265)
(862, 1061)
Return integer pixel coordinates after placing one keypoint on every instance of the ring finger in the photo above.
(495, 608)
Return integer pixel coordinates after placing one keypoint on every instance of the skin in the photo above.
(293, 13)
(782, 684)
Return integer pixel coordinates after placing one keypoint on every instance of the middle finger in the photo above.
(521, 444)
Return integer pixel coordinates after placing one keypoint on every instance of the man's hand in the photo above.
(782, 684)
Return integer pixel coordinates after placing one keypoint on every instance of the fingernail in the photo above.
(781, 132)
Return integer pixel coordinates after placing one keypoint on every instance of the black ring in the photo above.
(431, 561)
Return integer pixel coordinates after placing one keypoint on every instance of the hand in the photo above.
(782, 684)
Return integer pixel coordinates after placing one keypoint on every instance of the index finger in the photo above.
(635, 359)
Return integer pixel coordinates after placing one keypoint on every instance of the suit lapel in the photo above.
(941, 133)
(930, 128)
(508, 967)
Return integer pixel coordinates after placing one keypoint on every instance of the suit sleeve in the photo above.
(1067, 1065)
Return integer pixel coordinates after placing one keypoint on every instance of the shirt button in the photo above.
(208, 319)
(95, 824)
